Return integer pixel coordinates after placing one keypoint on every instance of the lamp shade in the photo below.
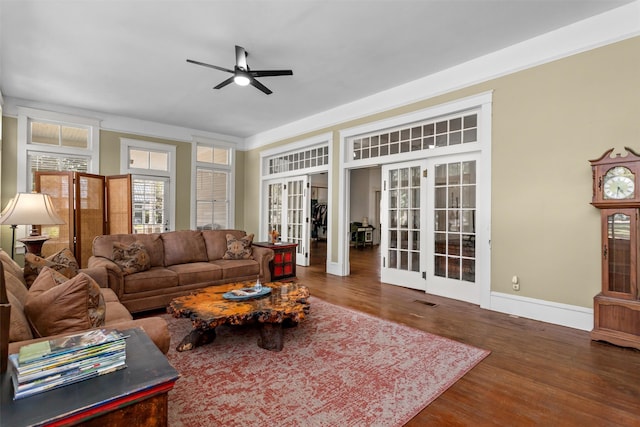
(30, 209)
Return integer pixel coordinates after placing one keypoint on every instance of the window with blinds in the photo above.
(213, 187)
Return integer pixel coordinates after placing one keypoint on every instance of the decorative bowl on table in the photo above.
(246, 293)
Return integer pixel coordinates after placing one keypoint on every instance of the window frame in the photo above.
(25, 146)
(229, 169)
(126, 144)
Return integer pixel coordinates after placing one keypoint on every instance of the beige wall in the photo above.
(239, 193)
(548, 122)
(110, 165)
(8, 173)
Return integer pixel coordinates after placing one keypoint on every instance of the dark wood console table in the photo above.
(134, 396)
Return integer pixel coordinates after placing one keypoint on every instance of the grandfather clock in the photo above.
(616, 192)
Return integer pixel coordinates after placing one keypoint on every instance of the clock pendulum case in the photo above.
(616, 192)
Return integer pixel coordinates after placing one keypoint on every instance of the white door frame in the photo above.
(323, 140)
(482, 103)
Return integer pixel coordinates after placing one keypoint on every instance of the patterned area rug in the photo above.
(338, 368)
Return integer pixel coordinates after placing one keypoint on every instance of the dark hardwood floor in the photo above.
(537, 374)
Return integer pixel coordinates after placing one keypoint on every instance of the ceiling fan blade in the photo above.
(241, 58)
(260, 86)
(270, 73)
(209, 65)
(224, 83)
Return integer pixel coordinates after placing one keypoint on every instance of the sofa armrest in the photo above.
(99, 274)
(155, 327)
(115, 279)
(263, 256)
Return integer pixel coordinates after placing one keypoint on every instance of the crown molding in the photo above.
(609, 27)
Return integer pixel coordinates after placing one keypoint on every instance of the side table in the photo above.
(136, 395)
(284, 259)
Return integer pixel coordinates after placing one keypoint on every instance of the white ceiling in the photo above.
(128, 58)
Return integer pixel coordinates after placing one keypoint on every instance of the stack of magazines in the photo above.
(62, 361)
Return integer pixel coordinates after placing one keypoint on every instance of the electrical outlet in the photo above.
(515, 283)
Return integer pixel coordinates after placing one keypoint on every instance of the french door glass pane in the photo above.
(295, 194)
(149, 205)
(454, 220)
(275, 208)
(404, 218)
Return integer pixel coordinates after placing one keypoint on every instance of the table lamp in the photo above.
(30, 209)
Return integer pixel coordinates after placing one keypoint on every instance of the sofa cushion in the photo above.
(232, 269)
(19, 329)
(216, 242)
(239, 248)
(62, 261)
(131, 258)
(154, 279)
(181, 247)
(103, 246)
(196, 272)
(74, 305)
(10, 266)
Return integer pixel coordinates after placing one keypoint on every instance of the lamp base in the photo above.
(34, 244)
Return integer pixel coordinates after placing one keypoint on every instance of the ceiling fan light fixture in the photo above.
(241, 79)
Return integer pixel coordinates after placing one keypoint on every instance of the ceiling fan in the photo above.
(242, 74)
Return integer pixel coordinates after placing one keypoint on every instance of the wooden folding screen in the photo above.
(79, 198)
(119, 211)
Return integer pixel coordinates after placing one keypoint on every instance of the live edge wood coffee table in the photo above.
(286, 305)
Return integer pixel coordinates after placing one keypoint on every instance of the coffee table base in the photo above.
(196, 338)
(271, 337)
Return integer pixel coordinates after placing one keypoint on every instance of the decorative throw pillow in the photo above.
(10, 266)
(131, 258)
(73, 305)
(239, 248)
(16, 287)
(19, 329)
(62, 261)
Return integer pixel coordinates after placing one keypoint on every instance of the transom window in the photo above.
(303, 159)
(427, 135)
(58, 135)
(49, 141)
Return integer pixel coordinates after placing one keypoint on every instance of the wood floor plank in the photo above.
(537, 373)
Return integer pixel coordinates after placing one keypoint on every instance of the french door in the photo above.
(288, 208)
(151, 203)
(402, 212)
(428, 217)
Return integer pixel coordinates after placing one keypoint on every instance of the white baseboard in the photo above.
(334, 268)
(571, 316)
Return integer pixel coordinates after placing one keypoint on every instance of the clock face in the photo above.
(618, 184)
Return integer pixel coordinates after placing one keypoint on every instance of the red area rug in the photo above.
(338, 368)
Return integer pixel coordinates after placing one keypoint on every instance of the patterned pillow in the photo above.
(63, 261)
(131, 258)
(239, 248)
(55, 306)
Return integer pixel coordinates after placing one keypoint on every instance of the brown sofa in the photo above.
(116, 316)
(180, 262)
